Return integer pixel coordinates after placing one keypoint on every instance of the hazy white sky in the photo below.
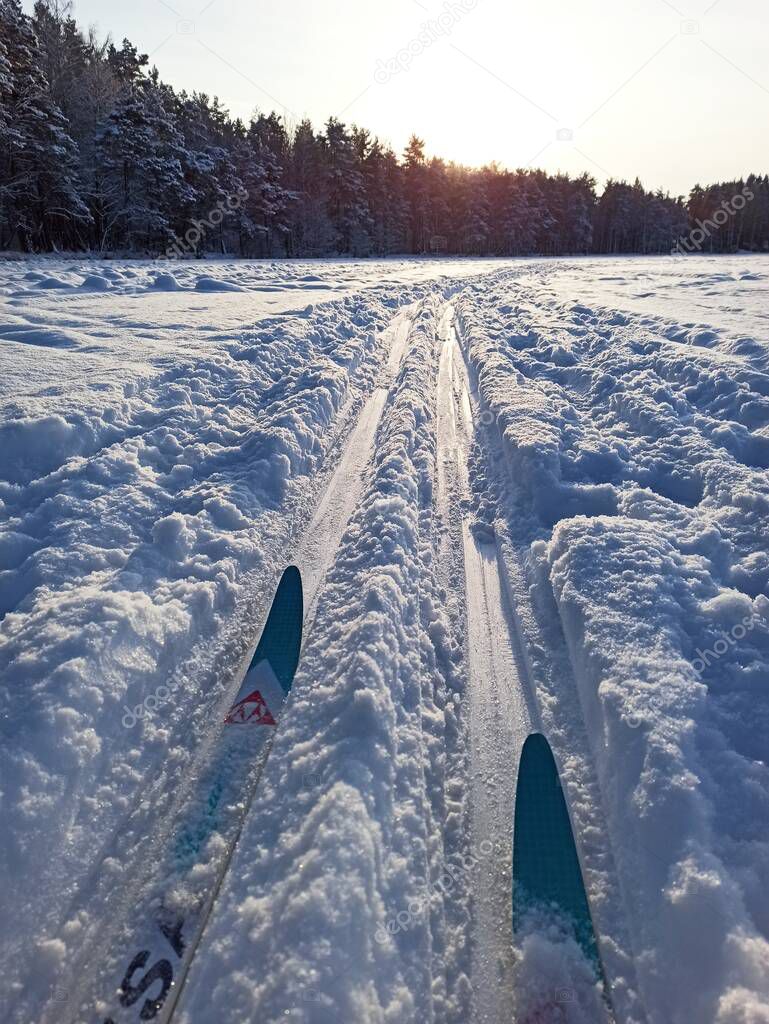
(676, 91)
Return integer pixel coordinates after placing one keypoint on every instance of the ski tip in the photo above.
(293, 577)
(281, 639)
(536, 744)
(291, 592)
(546, 867)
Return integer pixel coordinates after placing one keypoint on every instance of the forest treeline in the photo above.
(97, 153)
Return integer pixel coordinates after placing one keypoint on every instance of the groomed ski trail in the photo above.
(556, 708)
(501, 708)
(315, 555)
(311, 546)
(337, 960)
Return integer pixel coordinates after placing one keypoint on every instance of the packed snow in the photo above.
(173, 434)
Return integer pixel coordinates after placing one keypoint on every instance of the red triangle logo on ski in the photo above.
(252, 710)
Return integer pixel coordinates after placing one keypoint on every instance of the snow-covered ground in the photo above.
(522, 495)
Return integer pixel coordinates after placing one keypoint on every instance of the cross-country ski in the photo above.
(171, 910)
(548, 888)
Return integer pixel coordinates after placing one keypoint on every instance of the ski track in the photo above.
(376, 671)
(320, 543)
(503, 629)
(315, 554)
(314, 551)
(554, 706)
(500, 712)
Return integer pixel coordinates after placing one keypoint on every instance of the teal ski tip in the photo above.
(546, 871)
(281, 639)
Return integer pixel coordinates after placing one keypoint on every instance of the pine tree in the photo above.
(536, 187)
(517, 235)
(443, 209)
(347, 202)
(6, 92)
(63, 51)
(475, 231)
(265, 221)
(417, 193)
(144, 191)
(126, 64)
(387, 203)
(311, 230)
(209, 166)
(42, 200)
(577, 227)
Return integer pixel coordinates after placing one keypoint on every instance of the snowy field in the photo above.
(523, 495)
